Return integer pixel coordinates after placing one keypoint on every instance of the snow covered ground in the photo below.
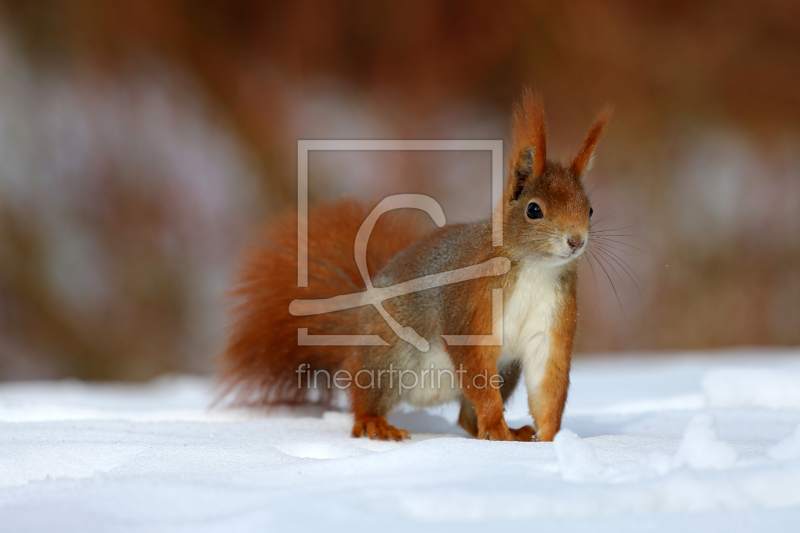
(693, 442)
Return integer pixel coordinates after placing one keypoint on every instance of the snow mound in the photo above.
(577, 460)
(701, 447)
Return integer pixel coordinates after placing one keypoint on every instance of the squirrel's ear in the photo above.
(583, 160)
(529, 148)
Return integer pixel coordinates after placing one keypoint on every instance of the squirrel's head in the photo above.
(546, 211)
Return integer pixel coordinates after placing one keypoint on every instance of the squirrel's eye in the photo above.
(591, 212)
(534, 211)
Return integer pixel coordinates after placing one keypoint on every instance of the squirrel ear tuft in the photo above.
(583, 160)
(529, 138)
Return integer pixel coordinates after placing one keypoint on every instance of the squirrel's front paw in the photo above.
(497, 431)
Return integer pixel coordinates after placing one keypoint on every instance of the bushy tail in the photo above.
(262, 356)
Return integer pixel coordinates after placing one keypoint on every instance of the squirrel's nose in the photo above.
(575, 242)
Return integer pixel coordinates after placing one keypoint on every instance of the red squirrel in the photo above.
(545, 217)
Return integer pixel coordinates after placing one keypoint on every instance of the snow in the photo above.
(753, 387)
(684, 442)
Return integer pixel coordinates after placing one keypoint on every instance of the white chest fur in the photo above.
(528, 313)
(528, 316)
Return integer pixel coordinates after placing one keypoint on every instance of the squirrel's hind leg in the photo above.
(371, 402)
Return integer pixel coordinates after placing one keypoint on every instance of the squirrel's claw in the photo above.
(377, 428)
(499, 431)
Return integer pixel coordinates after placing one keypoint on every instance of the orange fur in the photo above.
(261, 358)
(582, 160)
(547, 404)
(482, 360)
(528, 132)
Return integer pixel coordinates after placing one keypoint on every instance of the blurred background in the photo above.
(141, 143)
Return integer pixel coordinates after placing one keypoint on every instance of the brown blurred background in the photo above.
(142, 141)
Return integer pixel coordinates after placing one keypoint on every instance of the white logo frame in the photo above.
(494, 267)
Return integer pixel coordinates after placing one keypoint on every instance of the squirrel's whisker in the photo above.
(625, 268)
(614, 287)
(624, 244)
